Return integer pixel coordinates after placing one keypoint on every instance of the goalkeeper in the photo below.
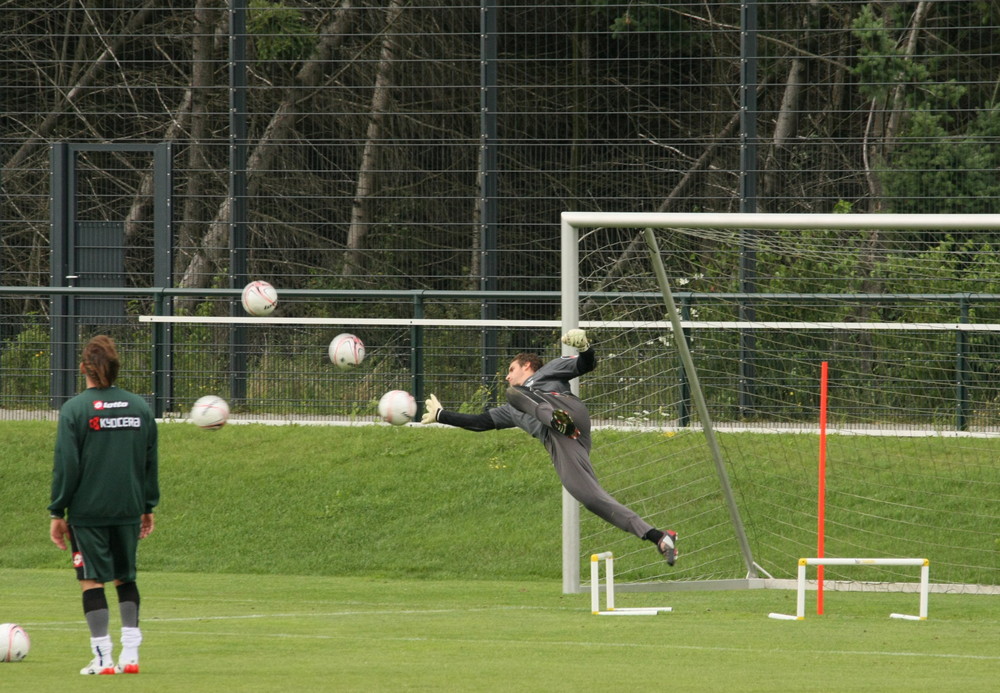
(540, 402)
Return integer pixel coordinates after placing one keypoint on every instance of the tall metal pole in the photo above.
(570, 308)
(748, 196)
(237, 188)
(488, 184)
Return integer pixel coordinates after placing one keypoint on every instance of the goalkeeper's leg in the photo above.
(577, 475)
(572, 464)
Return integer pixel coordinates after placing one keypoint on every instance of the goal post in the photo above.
(884, 350)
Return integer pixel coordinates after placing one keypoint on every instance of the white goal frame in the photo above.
(572, 222)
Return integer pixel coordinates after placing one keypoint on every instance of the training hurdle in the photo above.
(609, 590)
(800, 602)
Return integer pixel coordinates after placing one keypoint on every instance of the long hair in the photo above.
(100, 361)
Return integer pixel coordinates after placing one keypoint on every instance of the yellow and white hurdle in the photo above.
(609, 590)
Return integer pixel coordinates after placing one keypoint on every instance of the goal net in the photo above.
(904, 310)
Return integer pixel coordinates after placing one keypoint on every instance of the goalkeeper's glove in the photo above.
(576, 338)
(431, 409)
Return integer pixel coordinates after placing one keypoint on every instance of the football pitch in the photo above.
(212, 632)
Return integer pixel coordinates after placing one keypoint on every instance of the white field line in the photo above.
(657, 646)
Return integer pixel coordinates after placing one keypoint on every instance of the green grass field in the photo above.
(206, 632)
(378, 559)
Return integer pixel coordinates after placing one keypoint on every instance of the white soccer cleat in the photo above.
(98, 665)
(129, 667)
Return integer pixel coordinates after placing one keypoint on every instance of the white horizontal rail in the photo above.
(754, 220)
(864, 561)
(586, 324)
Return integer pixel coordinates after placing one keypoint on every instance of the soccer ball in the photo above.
(15, 643)
(210, 412)
(397, 407)
(259, 298)
(346, 351)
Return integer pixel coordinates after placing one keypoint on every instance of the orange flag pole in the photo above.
(821, 503)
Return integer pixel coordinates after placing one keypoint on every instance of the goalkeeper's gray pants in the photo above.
(571, 459)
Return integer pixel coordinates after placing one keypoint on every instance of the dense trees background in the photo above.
(366, 138)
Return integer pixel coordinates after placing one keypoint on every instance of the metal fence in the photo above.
(432, 144)
(429, 146)
(276, 370)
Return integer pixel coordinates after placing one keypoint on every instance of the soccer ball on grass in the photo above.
(14, 643)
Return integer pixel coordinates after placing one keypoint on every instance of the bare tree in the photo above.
(213, 246)
(366, 177)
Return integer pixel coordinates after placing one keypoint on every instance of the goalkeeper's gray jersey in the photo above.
(553, 376)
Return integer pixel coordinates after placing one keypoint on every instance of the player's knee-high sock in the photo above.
(95, 610)
(128, 606)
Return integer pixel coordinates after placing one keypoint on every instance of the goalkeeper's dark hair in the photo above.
(532, 361)
(100, 361)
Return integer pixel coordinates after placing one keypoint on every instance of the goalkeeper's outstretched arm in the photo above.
(470, 422)
(435, 413)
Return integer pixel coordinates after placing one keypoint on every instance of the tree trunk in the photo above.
(193, 214)
(214, 247)
(44, 130)
(365, 188)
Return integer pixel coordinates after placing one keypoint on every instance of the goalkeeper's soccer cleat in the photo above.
(563, 423)
(129, 667)
(98, 665)
(668, 546)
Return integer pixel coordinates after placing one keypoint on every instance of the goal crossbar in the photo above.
(754, 220)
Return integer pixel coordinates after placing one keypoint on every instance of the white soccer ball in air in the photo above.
(346, 351)
(397, 407)
(14, 643)
(209, 412)
(259, 298)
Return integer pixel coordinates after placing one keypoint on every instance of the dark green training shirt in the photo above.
(105, 470)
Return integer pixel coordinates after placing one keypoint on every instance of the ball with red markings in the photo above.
(259, 298)
(14, 642)
(209, 412)
(346, 351)
(397, 407)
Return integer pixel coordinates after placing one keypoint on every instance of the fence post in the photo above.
(961, 368)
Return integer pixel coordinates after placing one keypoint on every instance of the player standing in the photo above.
(541, 403)
(105, 476)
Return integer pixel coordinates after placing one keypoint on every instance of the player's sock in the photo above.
(128, 604)
(653, 535)
(95, 610)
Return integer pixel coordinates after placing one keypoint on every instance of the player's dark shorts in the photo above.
(105, 554)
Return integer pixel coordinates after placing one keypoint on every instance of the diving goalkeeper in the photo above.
(540, 402)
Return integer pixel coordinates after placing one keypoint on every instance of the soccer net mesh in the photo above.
(906, 313)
